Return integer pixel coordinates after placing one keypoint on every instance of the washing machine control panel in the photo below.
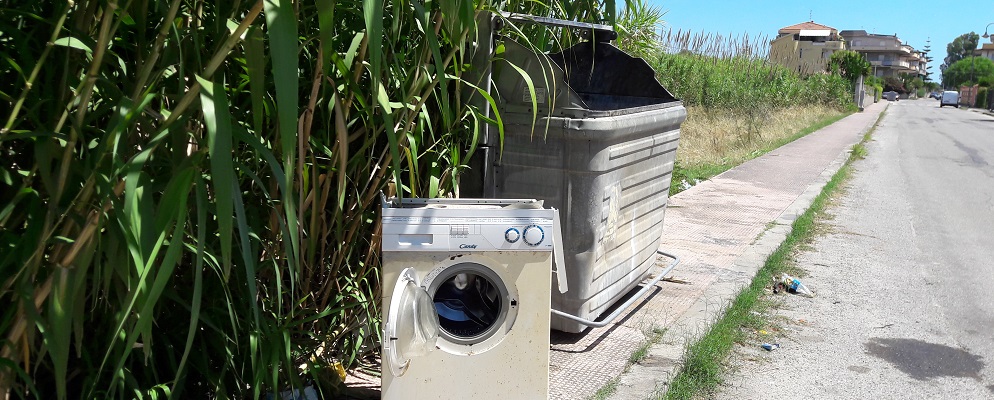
(465, 229)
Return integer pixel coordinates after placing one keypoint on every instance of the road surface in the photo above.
(904, 274)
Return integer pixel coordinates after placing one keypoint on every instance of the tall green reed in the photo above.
(734, 73)
(188, 189)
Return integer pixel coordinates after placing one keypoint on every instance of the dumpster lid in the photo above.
(601, 69)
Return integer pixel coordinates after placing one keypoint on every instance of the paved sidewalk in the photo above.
(723, 229)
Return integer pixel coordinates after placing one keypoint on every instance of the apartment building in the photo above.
(805, 47)
(886, 53)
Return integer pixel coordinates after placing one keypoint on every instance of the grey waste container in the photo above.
(601, 151)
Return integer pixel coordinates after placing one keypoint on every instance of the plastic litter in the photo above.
(792, 285)
(770, 346)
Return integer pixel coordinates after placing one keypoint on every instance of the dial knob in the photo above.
(534, 235)
(512, 235)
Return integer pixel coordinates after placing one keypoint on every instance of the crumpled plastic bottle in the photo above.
(795, 286)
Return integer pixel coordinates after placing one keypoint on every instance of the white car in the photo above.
(949, 98)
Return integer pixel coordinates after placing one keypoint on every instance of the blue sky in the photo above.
(914, 21)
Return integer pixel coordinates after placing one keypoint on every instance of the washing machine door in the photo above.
(411, 327)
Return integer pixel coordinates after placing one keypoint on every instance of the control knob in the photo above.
(511, 235)
(534, 235)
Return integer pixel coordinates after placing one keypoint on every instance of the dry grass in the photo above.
(724, 137)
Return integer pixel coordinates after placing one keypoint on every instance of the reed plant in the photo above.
(733, 73)
(189, 189)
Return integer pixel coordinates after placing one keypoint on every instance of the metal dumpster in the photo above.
(601, 150)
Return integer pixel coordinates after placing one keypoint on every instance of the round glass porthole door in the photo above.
(412, 327)
(471, 301)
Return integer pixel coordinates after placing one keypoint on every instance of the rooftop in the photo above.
(849, 33)
(810, 25)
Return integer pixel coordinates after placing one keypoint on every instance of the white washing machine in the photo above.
(466, 298)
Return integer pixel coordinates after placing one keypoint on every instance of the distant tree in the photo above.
(850, 64)
(960, 48)
(912, 82)
(967, 70)
(894, 84)
(986, 81)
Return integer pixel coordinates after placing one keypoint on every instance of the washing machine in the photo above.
(466, 298)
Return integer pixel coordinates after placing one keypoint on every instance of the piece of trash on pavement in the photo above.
(793, 285)
(771, 346)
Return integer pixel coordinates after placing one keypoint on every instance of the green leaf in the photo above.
(372, 11)
(531, 94)
(326, 22)
(74, 43)
(497, 117)
(198, 284)
(283, 44)
(436, 55)
(393, 142)
(255, 62)
(217, 117)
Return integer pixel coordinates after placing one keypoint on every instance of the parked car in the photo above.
(935, 95)
(949, 98)
(890, 96)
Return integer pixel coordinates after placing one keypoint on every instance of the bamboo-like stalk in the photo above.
(34, 73)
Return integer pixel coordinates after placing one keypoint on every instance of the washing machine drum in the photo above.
(471, 301)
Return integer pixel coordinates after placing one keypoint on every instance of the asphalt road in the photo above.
(904, 273)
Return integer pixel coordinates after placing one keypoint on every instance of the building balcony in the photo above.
(891, 63)
(830, 45)
(888, 47)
